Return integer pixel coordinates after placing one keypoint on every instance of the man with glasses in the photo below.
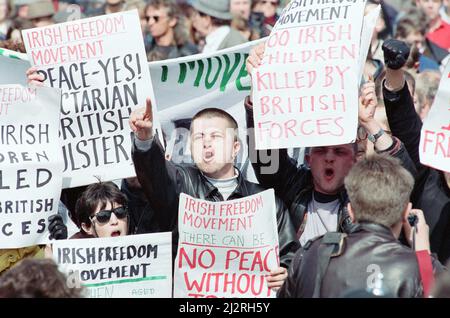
(212, 20)
(166, 25)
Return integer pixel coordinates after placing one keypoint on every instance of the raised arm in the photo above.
(403, 120)
(273, 168)
(158, 177)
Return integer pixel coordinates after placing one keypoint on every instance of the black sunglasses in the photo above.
(103, 216)
(154, 17)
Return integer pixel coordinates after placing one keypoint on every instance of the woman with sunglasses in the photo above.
(101, 211)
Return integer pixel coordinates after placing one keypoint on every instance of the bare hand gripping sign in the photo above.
(227, 248)
(31, 163)
(101, 66)
(306, 90)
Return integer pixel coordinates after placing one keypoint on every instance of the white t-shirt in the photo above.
(321, 218)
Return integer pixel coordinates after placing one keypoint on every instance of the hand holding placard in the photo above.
(34, 78)
(141, 121)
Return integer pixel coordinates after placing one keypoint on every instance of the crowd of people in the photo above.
(340, 211)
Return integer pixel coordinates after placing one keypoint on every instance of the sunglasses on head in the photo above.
(103, 216)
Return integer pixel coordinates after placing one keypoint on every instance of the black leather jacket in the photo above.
(369, 248)
(431, 193)
(163, 181)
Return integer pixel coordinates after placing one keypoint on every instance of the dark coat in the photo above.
(431, 193)
(367, 248)
(163, 181)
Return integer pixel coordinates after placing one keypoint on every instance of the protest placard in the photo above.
(100, 65)
(434, 148)
(305, 93)
(30, 163)
(226, 249)
(133, 266)
(369, 23)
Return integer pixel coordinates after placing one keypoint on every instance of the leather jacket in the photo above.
(368, 249)
(162, 181)
(431, 193)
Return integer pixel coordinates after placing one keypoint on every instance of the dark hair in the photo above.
(180, 33)
(96, 194)
(36, 278)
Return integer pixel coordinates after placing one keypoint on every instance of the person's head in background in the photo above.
(5, 9)
(241, 8)
(101, 211)
(411, 29)
(379, 189)
(114, 6)
(427, 84)
(208, 16)
(162, 18)
(15, 30)
(430, 8)
(267, 7)
(41, 13)
(242, 26)
(36, 278)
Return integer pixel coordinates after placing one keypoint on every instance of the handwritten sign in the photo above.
(306, 91)
(100, 65)
(227, 248)
(31, 163)
(134, 266)
(435, 136)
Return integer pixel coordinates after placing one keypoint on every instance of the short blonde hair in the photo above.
(379, 189)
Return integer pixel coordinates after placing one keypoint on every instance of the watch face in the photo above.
(371, 138)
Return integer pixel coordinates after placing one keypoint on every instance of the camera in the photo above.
(412, 220)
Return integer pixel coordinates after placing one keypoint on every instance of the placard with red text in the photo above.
(31, 163)
(226, 249)
(305, 93)
(101, 66)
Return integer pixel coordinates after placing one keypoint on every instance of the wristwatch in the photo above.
(374, 138)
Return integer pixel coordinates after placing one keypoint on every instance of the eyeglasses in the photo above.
(273, 3)
(105, 215)
(154, 17)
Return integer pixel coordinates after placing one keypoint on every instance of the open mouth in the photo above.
(208, 156)
(116, 233)
(329, 173)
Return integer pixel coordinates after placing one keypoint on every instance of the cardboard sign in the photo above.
(31, 163)
(306, 91)
(100, 65)
(226, 249)
(133, 266)
(435, 136)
